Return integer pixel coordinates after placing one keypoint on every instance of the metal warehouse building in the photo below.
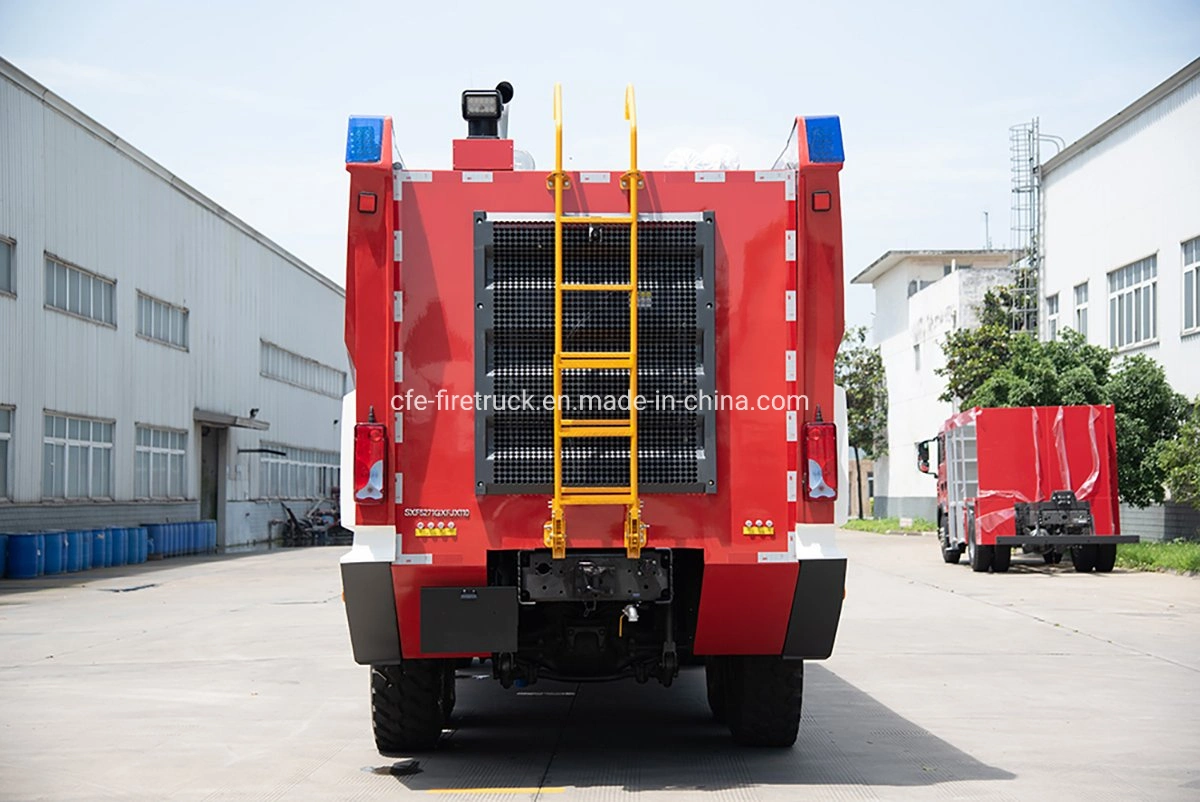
(160, 360)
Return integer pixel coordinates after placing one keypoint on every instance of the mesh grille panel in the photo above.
(518, 345)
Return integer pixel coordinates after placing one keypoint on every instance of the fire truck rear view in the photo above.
(592, 433)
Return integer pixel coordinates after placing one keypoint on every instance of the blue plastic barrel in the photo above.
(3, 553)
(154, 539)
(74, 551)
(211, 527)
(196, 535)
(99, 546)
(168, 540)
(85, 549)
(55, 551)
(26, 559)
(132, 549)
(119, 544)
(143, 539)
(172, 540)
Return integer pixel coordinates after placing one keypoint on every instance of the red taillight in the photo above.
(820, 461)
(370, 462)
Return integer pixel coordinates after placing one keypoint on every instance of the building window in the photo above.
(163, 322)
(1081, 308)
(285, 366)
(160, 463)
(1052, 316)
(77, 458)
(6, 419)
(298, 472)
(7, 284)
(1191, 285)
(1133, 303)
(917, 357)
(74, 290)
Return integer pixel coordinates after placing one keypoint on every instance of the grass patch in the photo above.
(884, 525)
(1177, 555)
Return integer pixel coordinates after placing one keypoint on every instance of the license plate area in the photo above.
(595, 577)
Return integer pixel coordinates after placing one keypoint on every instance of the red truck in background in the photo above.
(1041, 478)
(592, 435)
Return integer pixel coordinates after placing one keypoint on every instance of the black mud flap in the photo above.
(371, 613)
(816, 609)
(468, 620)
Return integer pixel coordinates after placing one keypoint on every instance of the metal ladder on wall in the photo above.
(555, 530)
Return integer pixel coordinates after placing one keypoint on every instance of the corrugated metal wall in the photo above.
(70, 188)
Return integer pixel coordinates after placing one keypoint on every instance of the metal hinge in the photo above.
(789, 305)
(398, 306)
(398, 246)
(789, 248)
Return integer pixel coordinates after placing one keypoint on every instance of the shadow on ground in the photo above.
(645, 738)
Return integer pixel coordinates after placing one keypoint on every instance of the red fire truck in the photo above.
(591, 436)
(1041, 478)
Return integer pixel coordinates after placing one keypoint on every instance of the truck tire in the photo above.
(764, 701)
(950, 554)
(1084, 558)
(449, 691)
(980, 556)
(1001, 558)
(406, 705)
(716, 678)
(1106, 557)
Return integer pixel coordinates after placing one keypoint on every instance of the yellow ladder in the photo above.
(555, 530)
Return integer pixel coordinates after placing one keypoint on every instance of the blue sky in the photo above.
(248, 101)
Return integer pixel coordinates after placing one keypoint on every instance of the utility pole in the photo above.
(987, 232)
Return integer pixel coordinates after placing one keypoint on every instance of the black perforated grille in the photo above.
(518, 346)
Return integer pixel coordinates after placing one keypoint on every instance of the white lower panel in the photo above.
(373, 544)
(807, 542)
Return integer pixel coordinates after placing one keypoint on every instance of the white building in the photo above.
(162, 361)
(1121, 245)
(1121, 241)
(920, 296)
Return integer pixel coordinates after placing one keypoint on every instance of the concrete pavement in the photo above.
(231, 678)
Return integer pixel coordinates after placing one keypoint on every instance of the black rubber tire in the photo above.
(406, 706)
(1048, 557)
(765, 697)
(1084, 558)
(980, 556)
(1001, 558)
(449, 691)
(950, 554)
(716, 678)
(1106, 557)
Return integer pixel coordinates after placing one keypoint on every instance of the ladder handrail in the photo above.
(554, 530)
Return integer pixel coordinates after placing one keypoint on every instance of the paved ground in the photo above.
(231, 679)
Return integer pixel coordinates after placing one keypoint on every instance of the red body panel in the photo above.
(1026, 453)
(745, 604)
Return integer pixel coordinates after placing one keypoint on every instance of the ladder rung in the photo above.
(600, 500)
(597, 219)
(597, 428)
(591, 360)
(598, 287)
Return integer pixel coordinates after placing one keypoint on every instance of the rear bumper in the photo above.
(1063, 540)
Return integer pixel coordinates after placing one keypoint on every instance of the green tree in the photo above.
(991, 366)
(858, 369)
(1149, 414)
(1180, 460)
